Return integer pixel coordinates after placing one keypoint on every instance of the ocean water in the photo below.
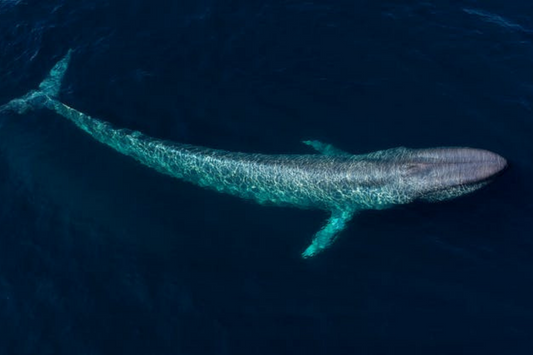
(99, 255)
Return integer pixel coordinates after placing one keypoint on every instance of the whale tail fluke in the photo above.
(52, 84)
(48, 89)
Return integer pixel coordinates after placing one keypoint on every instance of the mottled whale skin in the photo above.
(332, 180)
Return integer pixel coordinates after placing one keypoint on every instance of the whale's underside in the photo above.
(333, 180)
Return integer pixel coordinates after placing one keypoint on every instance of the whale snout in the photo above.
(461, 166)
(473, 165)
(487, 164)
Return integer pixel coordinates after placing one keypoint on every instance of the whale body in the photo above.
(331, 180)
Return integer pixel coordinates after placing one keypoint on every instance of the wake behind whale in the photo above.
(332, 180)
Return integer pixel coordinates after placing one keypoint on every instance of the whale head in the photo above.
(439, 174)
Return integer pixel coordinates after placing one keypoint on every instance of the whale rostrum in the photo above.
(332, 180)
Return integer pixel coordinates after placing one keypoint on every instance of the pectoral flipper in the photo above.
(325, 148)
(327, 235)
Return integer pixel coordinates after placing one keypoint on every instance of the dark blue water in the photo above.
(99, 255)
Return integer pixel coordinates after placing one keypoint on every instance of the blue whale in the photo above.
(331, 180)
